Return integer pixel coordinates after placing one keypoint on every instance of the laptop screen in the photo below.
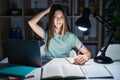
(24, 52)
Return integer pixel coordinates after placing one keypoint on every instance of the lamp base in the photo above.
(103, 60)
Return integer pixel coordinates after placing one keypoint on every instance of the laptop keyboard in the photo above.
(45, 60)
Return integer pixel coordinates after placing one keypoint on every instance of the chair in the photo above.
(113, 51)
(42, 48)
(72, 53)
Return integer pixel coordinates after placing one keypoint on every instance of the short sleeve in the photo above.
(75, 41)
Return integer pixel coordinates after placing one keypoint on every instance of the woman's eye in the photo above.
(58, 17)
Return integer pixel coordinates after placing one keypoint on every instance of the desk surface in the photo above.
(113, 68)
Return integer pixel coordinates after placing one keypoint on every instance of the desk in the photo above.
(114, 68)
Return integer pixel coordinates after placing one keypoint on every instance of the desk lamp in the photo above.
(79, 23)
(83, 23)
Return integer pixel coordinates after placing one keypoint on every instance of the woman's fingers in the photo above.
(80, 59)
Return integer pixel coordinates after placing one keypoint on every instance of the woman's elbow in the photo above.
(30, 22)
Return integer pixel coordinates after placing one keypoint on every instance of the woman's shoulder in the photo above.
(70, 34)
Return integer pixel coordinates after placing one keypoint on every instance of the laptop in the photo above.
(24, 52)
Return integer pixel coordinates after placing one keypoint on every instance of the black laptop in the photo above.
(24, 52)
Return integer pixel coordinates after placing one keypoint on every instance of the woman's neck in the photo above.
(57, 30)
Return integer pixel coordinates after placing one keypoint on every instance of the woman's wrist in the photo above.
(47, 10)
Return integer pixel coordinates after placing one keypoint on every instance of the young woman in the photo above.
(58, 39)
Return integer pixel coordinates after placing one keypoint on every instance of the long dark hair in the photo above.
(51, 26)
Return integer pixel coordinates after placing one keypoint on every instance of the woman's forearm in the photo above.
(36, 18)
(33, 23)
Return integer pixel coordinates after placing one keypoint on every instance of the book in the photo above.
(70, 60)
(62, 71)
(96, 71)
(114, 69)
(93, 71)
(17, 71)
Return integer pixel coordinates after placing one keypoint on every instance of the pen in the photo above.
(80, 48)
(30, 76)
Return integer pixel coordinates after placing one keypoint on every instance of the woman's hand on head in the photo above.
(80, 59)
(49, 7)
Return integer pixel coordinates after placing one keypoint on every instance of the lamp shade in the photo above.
(83, 23)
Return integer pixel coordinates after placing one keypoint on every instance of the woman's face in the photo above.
(58, 19)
